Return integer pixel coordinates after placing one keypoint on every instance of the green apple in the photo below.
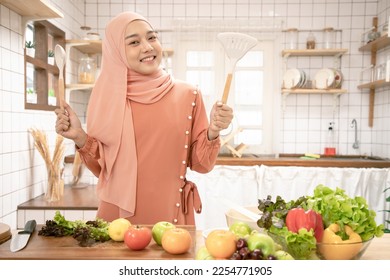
(283, 255)
(240, 229)
(203, 254)
(261, 241)
(158, 230)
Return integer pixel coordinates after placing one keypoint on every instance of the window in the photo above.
(41, 75)
(251, 94)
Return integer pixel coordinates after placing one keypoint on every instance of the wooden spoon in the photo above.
(60, 58)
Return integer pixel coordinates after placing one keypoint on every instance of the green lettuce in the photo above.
(337, 207)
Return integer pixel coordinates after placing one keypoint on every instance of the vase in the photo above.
(50, 60)
(55, 185)
(30, 52)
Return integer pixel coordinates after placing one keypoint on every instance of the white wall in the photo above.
(22, 172)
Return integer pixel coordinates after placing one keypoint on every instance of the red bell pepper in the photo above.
(298, 218)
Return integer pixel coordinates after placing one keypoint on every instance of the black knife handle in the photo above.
(29, 227)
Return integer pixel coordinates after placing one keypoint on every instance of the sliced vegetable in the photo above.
(331, 236)
(298, 218)
(334, 247)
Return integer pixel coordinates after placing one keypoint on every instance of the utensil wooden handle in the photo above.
(227, 88)
(61, 92)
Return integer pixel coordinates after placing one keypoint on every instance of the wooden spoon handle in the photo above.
(227, 88)
(61, 92)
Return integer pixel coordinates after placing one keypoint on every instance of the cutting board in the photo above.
(67, 248)
(5, 233)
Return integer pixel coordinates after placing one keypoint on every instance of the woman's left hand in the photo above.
(220, 118)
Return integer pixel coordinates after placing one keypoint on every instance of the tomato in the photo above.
(137, 237)
(176, 241)
(221, 244)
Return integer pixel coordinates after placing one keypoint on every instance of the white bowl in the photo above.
(233, 216)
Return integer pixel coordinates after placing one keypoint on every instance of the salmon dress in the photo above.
(171, 135)
(144, 131)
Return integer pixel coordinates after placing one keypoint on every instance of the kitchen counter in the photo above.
(78, 197)
(295, 160)
(66, 248)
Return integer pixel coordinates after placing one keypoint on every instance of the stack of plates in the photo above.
(294, 78)
(327, 78)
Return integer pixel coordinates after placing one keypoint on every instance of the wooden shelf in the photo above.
(315, 52)
(335, 92)
(373, 47)
(377, 44)
(168, 52)
(32, 9)
(79, 86)
(95, 46)
(40, 64)
(335, 53)
(86, 46)
(314, 90)
(373, 85)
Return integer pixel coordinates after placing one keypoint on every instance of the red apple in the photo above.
(138, 237)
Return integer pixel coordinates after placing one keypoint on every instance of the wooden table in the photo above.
(67, 248)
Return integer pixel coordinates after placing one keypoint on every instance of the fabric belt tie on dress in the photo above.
(190, 191)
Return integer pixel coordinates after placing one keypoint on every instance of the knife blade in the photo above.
(20, 239)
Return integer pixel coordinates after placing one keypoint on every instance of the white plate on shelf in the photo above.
(338, 78)
(291, 78)
(303, 79)
(324, 78)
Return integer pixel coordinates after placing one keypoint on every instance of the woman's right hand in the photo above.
(69, 126)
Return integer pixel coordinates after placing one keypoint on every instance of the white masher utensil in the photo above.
(60, 58)
(236, 45)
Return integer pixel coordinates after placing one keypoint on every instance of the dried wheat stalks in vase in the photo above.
(55, 183)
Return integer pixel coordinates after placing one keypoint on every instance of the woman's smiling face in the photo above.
(143, 48)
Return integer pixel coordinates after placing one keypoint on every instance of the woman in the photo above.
(144, 130)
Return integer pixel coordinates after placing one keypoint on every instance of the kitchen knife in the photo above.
(20, 239)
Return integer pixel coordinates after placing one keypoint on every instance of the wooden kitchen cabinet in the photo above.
(41, 77)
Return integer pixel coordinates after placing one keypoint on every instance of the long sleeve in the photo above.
(203, 153)
(90, 155)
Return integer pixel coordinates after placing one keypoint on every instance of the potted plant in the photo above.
(31, 96)
(30, 48)
(52, 97)
(50, 57)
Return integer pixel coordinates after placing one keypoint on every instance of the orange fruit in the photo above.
(176, 241)
(221, 244)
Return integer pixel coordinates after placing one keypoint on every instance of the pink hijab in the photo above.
(109, 115)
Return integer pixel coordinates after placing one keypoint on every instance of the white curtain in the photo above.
(236, 183)
(246, 184)
(293, 182)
